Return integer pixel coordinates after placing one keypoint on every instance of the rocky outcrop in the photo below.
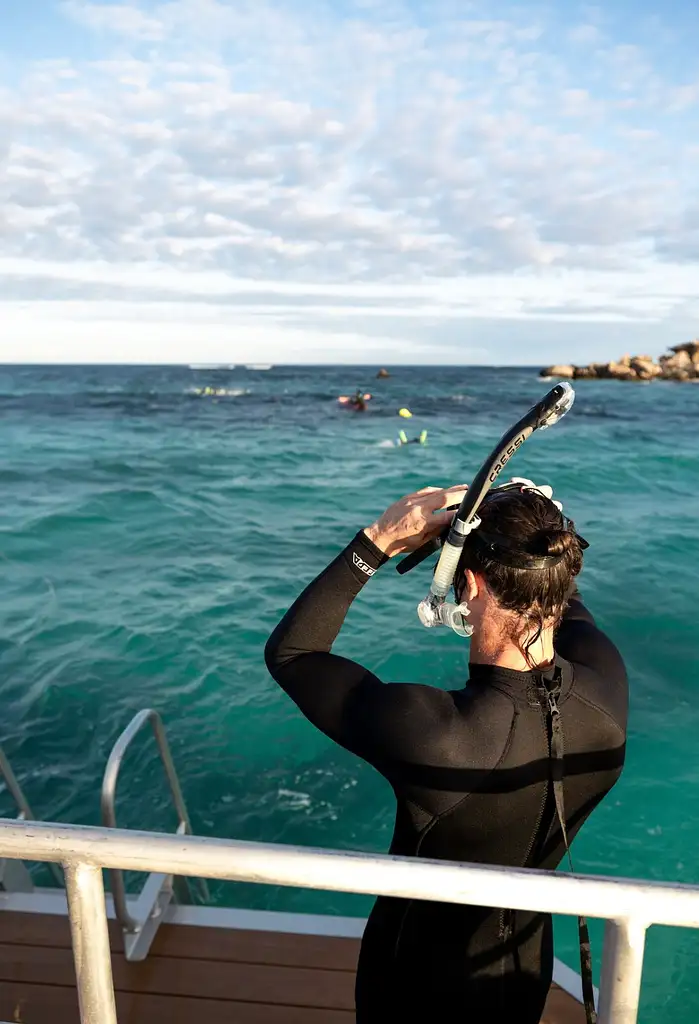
(563, 370)
(383, 373)
(680, 363)
(690, 347)
(645, 368)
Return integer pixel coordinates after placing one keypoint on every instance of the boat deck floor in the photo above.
(193, 973)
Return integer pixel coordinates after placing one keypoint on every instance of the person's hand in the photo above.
(415, 519)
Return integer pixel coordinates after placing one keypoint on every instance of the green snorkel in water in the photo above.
(435, 610)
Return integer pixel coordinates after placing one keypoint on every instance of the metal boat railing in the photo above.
(629, 907)
(140, 929)
(14, 876)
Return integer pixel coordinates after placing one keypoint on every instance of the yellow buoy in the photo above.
(405, 413)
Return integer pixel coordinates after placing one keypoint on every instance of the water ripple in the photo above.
(151, 538)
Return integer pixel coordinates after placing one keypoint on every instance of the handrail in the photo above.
(628, 906)
(108, 799)
(14, 787)
(25, 811)
(237, 860)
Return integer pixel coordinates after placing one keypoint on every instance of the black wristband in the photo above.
(364, 557)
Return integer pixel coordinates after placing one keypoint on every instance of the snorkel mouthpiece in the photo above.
(435, 610)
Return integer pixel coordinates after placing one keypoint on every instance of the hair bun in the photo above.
(560, 542)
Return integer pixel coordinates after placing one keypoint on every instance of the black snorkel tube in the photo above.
(544, 414)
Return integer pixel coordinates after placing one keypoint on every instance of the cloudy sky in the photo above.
(347, 180)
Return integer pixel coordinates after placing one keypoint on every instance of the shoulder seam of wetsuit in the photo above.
(436, 818)
(572, 692)
(450, 810)
(596, 707)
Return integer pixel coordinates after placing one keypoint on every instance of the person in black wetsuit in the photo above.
(470, 767)
(358, 401)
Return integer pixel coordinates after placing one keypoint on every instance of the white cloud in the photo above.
(122, 19)
(640, 293)
(131, 333)
(683, 97)
(585, 33)
(447, 165)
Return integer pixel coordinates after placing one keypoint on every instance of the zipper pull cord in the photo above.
(557, 773)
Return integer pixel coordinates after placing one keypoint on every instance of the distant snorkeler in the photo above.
(358, 401)
(403, 439)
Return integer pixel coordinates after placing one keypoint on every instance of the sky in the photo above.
(347, 181)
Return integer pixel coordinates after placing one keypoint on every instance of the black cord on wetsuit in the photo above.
(550, 696)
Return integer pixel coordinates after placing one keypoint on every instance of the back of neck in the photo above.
(488, 649)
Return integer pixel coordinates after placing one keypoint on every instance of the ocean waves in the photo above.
(151, 539)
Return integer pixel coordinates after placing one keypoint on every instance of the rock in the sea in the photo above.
(621, 371)
(383, 373)
(679, 359)
(645, 368)
(602, 371)
(598, 371)
(683, 364)
(690, 347)
(677, 373)
(680, 363)
(559, 371)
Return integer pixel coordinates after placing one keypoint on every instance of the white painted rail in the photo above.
(629, 907)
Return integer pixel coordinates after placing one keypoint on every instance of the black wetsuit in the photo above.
(471, 772)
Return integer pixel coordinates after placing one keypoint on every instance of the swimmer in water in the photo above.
(357, 401)
(404, 439)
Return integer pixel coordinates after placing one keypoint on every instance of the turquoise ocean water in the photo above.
(152, 538)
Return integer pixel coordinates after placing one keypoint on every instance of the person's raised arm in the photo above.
(335, 693)
(579, 639)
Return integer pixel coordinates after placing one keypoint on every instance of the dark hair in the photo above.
(529, 523)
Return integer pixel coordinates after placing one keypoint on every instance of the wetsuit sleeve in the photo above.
(580, 640)
(339, 696)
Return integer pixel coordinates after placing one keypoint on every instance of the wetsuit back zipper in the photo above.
(507, 917)
(557, 774)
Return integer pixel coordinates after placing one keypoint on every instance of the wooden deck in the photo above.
(195, 974)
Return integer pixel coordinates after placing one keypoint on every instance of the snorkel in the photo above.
(435, 610)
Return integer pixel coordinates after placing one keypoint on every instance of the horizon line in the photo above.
(273, 366)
